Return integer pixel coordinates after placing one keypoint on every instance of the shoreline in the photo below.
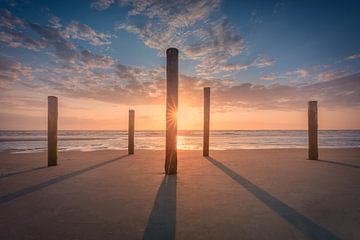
(179, 150)
(45, 139)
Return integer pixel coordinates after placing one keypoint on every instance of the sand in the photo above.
(234, 194)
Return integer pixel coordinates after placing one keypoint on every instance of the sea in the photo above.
(71, 140)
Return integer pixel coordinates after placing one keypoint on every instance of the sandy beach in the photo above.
(234, 194)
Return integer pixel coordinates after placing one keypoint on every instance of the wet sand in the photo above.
(234, 194)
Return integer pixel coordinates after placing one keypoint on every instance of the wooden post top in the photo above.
(172, 51)
(312, 105)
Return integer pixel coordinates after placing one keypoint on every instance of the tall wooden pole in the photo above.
(131, 132)
(206, 121)
(313, 130)
(172, 80)
(52, 131)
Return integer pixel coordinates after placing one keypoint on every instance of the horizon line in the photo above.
(304, 129)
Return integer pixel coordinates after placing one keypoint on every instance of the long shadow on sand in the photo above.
(338, 163)
(25, 191)
(302, 223)
(21, 172)
(162, 220)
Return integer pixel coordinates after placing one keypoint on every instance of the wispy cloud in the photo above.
(302, 73)
(328, 75)
(268, 77)
(259, 62)
(101, 4)
(340, 92)
(52, 36)
(200, 34)
(196, 27)
(354, 56)
(93, 60)
(19, 40)
(125, 84)
(8, 20)
(12, 71)
(217, 43)
(293, 75)
(76, 30)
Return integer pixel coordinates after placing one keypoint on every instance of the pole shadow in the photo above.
(37, 187)
(308, 227)
(338, 163)
(162, 219)
(21, 172)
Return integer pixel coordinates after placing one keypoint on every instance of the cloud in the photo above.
(194, 27)
(174, 14)
(126, 84)
(55, 36)
(12, 71)
(65, 50)
(217, 43)
(94, 60)
(121, 84)
(236, 66)
(302, 73)
(55, 22)
(19, 40)
(268, 77)
(262, 62)
(340, 92)
(354, 56)
(259, 62)
(9, 21)
(101, 4)
(290, 75)
(59, 39)
(326, 76)
(169, 22)
(76, 30)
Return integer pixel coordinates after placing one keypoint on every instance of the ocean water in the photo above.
(35, 141)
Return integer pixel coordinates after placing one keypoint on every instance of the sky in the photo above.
(264, 60)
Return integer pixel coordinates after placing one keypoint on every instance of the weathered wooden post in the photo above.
(52, 130)
(172, 80)
(131, 132)
(206, 121)
(313, 130)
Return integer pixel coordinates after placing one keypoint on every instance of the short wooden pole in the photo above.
(52, 131)
(131, 131)
(172, 80)
(313, 130)
(206, 121)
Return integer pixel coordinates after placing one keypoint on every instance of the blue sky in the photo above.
(102, 49)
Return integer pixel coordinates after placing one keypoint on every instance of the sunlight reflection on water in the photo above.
(35, 141)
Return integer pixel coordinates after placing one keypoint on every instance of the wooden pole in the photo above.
(172, 79)
(313, 130)
(52, 130)
(206, 121)
(131, 132)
